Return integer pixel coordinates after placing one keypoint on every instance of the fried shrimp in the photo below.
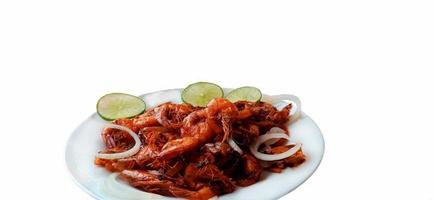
(185, 150)
(201, 126)
(171, 115)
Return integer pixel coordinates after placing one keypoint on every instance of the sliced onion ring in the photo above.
(273, 130)
(235, 146)
(280, 101)
(271, 157)
(129, 152)
(272, 141)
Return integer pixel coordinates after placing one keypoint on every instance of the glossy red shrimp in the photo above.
(201, 126)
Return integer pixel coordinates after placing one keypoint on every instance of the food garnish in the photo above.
(246, 93)
(200, 93)
(119, 105)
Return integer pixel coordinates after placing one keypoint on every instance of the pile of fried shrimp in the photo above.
(180, 150)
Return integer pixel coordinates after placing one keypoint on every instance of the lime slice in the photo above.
(200, 93)
(246, 93)
(118, 105)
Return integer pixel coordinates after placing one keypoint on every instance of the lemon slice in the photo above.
(119, 105)
(200, 93)
(246, 93)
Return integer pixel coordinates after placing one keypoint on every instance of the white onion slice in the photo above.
(282, 100)
(272, 141)
(273, 130)
(271, 157)
(129, 152)
(235, 146)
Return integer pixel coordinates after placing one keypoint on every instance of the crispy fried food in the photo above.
(292, 161)
(201, 126)
(249, 172)
(171, 115)
(198, 174)
(152, 183)
(114, 138)
(185, 151)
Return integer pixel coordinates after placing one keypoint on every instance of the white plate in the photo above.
(85, 141)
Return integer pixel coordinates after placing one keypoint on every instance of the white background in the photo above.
(363, 70)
